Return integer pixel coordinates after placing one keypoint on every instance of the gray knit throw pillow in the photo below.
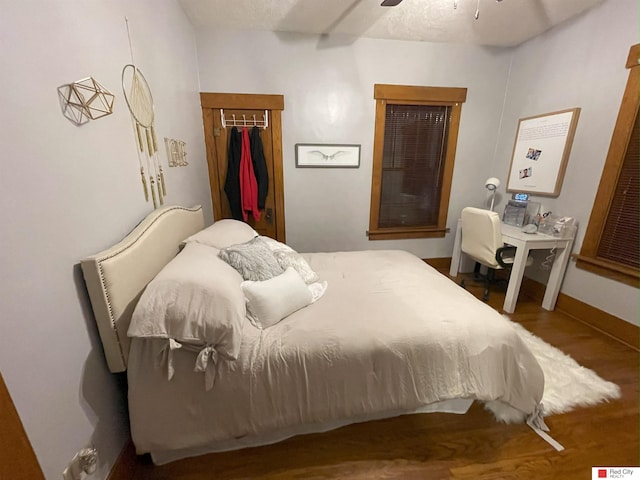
(254, 260)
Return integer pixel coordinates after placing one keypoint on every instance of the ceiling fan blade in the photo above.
(390, 3)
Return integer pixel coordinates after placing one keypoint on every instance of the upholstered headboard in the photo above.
(117, 276)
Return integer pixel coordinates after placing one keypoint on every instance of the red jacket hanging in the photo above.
(248, 183)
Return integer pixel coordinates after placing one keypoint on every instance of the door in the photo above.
(244, 108)
(17, 460)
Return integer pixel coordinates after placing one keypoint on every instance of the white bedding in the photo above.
(390, 335)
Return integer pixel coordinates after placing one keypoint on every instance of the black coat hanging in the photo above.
(259, 166)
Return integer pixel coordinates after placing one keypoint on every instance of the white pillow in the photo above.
(288, 257)
(196, 298)
(270, 301)
(254, 260)
(223, 233)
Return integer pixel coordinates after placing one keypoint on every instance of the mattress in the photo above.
(391, 335)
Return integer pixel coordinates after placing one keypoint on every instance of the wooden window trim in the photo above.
(413, 95)
(400, 233)
(408, 94)
(588, 259)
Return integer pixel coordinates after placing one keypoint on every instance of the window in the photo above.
(413, 154)
(611, 244)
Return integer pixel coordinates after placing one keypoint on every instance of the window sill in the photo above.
(608, 269)
(407, 233)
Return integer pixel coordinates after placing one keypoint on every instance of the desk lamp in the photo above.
(492, 185)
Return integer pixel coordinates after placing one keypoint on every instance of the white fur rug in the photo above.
(567, 384)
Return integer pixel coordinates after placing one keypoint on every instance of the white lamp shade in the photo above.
(492, 183)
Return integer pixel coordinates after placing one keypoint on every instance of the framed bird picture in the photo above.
(314, 155)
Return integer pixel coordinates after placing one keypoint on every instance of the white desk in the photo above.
(524, 242)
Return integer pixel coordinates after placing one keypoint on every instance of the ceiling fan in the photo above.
(393, 3)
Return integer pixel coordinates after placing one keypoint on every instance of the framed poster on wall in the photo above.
(313, 155)
(541, 152)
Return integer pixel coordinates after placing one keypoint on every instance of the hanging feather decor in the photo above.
(138, 96)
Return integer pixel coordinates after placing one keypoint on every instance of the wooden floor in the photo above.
(446, 446)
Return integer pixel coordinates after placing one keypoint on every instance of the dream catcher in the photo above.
(140, 102)
(138, 96)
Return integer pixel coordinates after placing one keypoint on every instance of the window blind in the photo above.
(620, 241)
(415, 140)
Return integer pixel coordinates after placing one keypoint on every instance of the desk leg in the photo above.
(457, 251)
(555, 278)
(515, 280)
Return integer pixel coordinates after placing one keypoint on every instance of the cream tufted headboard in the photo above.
(117, 276)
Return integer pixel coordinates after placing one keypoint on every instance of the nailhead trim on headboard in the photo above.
(119, 360)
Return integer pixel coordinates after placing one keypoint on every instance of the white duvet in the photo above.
(391, 334)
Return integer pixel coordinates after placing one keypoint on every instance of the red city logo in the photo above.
(602, 473)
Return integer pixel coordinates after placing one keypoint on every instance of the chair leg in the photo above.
(489, 279)
(476, 272)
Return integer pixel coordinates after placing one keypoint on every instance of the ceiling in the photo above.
(500, 23)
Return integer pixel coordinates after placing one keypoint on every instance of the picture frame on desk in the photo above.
(541, 152)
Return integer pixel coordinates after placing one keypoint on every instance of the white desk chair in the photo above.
(482, 241)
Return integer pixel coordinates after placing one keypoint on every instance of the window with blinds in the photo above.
(414, 150)
(620, 240)
(611, 245)
(415, 142)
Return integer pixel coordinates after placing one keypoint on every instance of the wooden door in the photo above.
(244, 107)
(17, 460)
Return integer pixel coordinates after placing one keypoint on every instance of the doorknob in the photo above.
(269, 216)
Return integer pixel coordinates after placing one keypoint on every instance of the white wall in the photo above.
(579, 64)
(67, 192)
(328, 90)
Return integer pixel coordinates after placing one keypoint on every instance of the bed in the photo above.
(381, 334)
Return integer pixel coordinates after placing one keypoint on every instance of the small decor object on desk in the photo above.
(561, 227)
(85, 100)
(322, 155)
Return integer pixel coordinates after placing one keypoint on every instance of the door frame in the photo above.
(17, 458)
(246, 101)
